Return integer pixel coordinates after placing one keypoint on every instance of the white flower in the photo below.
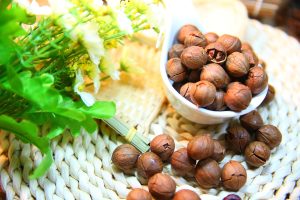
(95, 75)
(124, 22)
(60, 7)
(34, 8)
(87, 98)
(115, 75)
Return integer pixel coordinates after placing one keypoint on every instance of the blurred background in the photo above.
(284, 14)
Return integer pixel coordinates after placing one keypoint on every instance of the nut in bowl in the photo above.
(201, 100)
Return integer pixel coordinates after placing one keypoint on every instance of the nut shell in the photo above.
(201, 147)
(194, 57)
(161, 186)
(237, 65)
(185, 91)
(194, 76)
(216, 52)
(203, 93)
(163, 145)
(231, 43)
(182, 163)
(257, 153)
(219, 151)
(175, 51)
(215, 74)
(270, 135)
(257, 80)
(251, 57)
(186, 195)
(195, 38)
(184, 31)
(270, 95)
(208, 173)
(252, 121)
(138, 194)
(233, 176)
(125, 157)
(237, 96)
(149, 164)
(237, 138)
(218, 103)
(211, 37)
(175, 70)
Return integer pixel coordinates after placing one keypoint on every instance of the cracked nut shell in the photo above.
(270, 135)
(202, 93)
(186, 194)
(185, 91)
(233, 176)
(195, 38)
(194, 57)
(184, 31)
(216, 52)
(257, 153)
(181, 163)
(175, 51)
(237, 138)
(237, 65)
(163, 145)
(176, 71)
(138, 194)
(251, 121)
(237, 96)
(161, 186)
(125, 157)
(208, 173)
(257, 80)
(149, 164)
(231, 43)
(201, 147)
(215, 74)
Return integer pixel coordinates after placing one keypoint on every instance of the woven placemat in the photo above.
(83, 169)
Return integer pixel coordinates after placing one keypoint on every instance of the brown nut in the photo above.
(218, 104)
(177, 86)
(184, 31)
(233, 176)
(211, 37)
(194, 76)
(231, 43)
(251, 121)
(176, 71)
(237, 138)
(195, 38)
(182, 163)
(186, 194)
(149, 164)
(219, 151)
(203, 93)
(208, 173)
(257, 80)
(201, 147)
(194, 57)
(138, 194)
(215, 74)
(125, 157)
(237, 97)
(251, 57)
(175, 51)
(270, 95)
(237, 65)
(246, 46)
(161, 186)
(257, 153)
(163, 145)
(270, 135)
(216, 52)
(185, 91)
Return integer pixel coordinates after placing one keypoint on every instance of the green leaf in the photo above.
(100, 110)
(43, 166)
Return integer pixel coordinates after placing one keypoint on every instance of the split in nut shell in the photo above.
(231, 66)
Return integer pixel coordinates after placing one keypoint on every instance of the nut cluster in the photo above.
(213, 72)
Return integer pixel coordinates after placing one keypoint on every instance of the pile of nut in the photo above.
(213, 72)
(199, 160)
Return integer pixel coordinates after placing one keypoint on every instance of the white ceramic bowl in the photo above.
(179, 15)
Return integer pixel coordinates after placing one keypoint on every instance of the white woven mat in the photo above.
(83, 170)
